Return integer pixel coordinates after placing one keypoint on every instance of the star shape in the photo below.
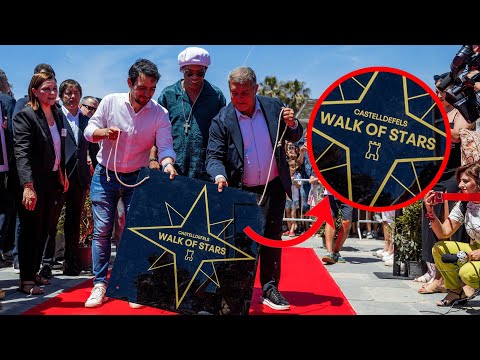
(370, 161)
(193, 243)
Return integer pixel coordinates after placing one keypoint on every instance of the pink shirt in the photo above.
(140, 131)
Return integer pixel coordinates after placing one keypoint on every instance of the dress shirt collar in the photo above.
(127, 101)
(241, 116)
(68, 114)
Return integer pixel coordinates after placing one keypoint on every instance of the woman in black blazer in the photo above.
(39, 147)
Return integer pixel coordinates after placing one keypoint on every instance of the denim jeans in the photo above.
(105, 195)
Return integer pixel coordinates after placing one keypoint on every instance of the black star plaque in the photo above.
(374, 142)
(183, 248)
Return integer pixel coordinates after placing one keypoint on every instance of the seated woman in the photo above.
(460, 280)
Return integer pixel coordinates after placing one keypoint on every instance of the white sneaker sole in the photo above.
(273, 306)
(135, 305)
(96, 304)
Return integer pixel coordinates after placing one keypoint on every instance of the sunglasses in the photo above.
(190, 73)
(90, 108)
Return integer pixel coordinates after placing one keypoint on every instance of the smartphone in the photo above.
(438, 198)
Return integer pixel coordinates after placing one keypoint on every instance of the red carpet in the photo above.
(305, 283)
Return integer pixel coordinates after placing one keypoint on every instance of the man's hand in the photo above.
(66, 185)
(154, 165)
(169, 168)
(112, 133)
(288, 116)
(221, 183)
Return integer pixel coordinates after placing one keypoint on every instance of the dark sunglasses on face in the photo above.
(190, 73)
(90, 108)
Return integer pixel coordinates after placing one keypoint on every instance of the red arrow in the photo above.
(462, 196)
(320, 211)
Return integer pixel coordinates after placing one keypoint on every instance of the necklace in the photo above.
(186, 126)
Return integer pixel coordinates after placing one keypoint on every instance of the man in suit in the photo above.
(243, 138)
(79, 177)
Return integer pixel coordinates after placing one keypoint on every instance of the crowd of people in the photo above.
(59, 146)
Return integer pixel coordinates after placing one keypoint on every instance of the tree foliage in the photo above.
(294, 94)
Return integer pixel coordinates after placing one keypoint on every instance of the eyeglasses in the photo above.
(190, 73)
(90, 108)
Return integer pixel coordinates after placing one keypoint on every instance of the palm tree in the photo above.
(291, 93)
(297, 95)
(271, 87)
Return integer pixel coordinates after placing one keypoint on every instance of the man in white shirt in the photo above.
(138, 122)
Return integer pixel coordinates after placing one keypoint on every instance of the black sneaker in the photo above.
(273, 299)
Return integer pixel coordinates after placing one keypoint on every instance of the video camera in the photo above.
(462, 94)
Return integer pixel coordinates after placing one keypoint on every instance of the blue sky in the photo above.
(103, 69)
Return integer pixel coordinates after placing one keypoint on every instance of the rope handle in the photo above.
(115, 165)
(278, 143)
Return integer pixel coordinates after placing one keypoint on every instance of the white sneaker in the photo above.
(389, 262)
(97, 296)
(379, 253)
(369, 235)
(387, 257)
(135, 305)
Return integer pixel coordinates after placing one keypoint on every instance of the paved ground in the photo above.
(367, 283)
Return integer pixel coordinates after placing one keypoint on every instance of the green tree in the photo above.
(297, 95)
(293, 93)
(272, 87)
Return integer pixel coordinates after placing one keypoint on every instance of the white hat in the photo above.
(194, 56)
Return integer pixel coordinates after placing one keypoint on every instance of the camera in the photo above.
(461, 258)
(462, 94)
(438, 198)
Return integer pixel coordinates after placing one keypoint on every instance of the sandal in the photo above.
(461, 299)
(30, 288)
(432, 288)
(40, 280)
(424, 278)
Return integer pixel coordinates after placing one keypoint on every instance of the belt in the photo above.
(136, 172)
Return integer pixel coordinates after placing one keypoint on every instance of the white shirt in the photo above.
(257, 148)
(471, 218)
(73, 120)
(139, 132)
(57, 145)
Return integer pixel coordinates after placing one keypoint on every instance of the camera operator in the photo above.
(447, 183)
(464, 95)
(461, 281)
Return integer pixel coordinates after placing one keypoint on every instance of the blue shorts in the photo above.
(294, 205)
(348, 212)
